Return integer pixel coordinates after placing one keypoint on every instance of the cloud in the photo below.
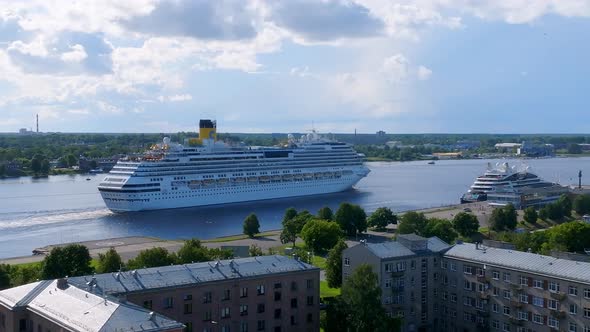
(424, 73)
(326, 20)
(176, 98)
(201, 19)
(81, 111)
(77, 54)
(395, 68)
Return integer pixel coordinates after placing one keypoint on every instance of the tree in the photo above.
(334, 265)
(543, 214)
(4, 276)
(412, 222)
(45, 166)
(351, 218)
(255, 250)
(72, 260)
(530, 215)
(193, 251)
(36, 163)
(289, 232)
(497, 219)
(251, 225)
(151, 258)
(381, 218)
(581, 204)
(565, 204)
(465, 223)
(361, 295)
(24, 274)
(325, 213)
(574, 148)
(290, 213)
(71, 160)
(321, 235)
(554, 211)
(110, 261)
(511, 217)
(572, 236)
(441, 228)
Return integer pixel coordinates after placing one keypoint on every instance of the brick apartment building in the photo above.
(266, 293)
(469, 287)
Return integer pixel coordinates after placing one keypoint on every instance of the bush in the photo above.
(321, 235)
(351, 218)
(465, 223)
(110, 261)
(412, 222)
(530, 215)
(151, 258)
(581, 204)
(72, 260)
(381, 218)
(251, 225)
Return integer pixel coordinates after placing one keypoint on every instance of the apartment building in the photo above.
(266, 293)
(470, 287)
(408, 271)
(56, 306)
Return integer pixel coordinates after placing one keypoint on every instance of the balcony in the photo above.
(516, 321)
(483, 295)
(558, 295)
(483, 313)
(483, 279)
(397, 289)
(516, 304)
(397, 273)
(516, 286)
(559, 314)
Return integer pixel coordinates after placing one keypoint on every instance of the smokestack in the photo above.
(37, 123)
(580, 179)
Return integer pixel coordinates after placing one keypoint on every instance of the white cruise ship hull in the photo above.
(229, 193)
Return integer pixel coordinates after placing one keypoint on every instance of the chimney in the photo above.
(37, 123)
(62, 283)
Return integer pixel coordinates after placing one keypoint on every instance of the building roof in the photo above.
(189, 274)
(396, 249)
(79, 310)
(523, 261)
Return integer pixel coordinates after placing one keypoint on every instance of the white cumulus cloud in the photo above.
(77, 54)
(424, 73)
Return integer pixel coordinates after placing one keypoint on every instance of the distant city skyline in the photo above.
(438, 66)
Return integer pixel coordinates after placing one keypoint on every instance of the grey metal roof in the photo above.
(79, 310)
(437, 245)
(189, 274)
(411, 237)
(389, 249)
(523, 261)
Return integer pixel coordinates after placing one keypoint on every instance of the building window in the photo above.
(480, 272)
(505, 327)
(387, 283)
(243, 310)
(388, 267)
(572, 290)
(225, 328)
(293, 320)
(524, 298)
(413, 264)
(309, 317)
(243, 326)
(553, 304)
(587, 293)
(207, 297)
(244, 292)
(294, 303)
(538, 301)
(188, 297)
(454, 297)
(310, 300)
(586, 312)
(467, 285)
(207, 315)
(277, 285)
(538, 283)
(278, 313)
(506, 277)
(507, 294)
(495, 307)
(453, 266)
(495, 275)
(261, 325)
(226, 295)
(523, 315)
(277, 296)
(188, 327)
(495, 291)
(495, 324)
(506, 311)
(225, 312)
(346, 261)
(524, 281)
(554, 287)
(467, 269)
(538, 319)
(188, 308)
(293, 285)
(551, 321)
(573, 327)
(168, 302)
(147, 304)
(444, 264)
(260, 289)
(573, 309)
(309, 283)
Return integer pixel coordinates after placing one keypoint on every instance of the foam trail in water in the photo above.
(52, 217)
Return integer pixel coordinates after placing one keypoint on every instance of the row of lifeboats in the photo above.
(195, 184)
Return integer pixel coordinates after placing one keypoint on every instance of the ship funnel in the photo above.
(207, 130)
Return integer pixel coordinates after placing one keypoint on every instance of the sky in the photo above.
(420, 66)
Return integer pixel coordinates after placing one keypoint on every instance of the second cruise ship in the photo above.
(205, 171)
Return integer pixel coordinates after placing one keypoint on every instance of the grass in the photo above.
(319, 261)
(237, 237)
(326, 291)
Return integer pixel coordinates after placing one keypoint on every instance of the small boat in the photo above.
(87, 179)
(431, 162)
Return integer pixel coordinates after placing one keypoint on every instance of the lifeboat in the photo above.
(194, 184)
(178, 183)
(287, 177)
(253, 179)
(208, 182)
(222, 181)
(264, 179)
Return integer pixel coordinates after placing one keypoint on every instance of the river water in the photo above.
(68, 208)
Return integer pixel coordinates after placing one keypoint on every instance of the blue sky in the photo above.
(444, 66)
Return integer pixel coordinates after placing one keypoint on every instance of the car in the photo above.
(467, 209)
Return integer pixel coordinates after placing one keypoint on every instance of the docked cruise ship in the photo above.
(205, 171)
(500, 176)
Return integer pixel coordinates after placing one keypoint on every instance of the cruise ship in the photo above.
(499, 176)
(205, 171)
